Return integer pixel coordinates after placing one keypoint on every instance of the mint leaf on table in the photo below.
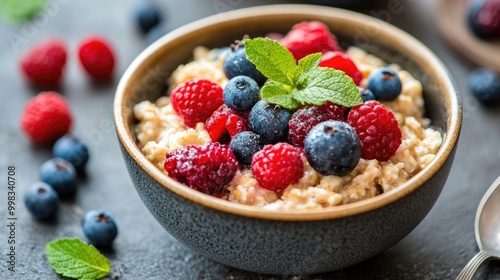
(73, 258)
(19, 11)
(292, 84)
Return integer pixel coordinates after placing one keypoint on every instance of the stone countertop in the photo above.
(437, 249)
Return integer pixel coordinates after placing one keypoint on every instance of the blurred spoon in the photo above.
(487, 229)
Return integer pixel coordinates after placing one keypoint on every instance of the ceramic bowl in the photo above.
(292, 242)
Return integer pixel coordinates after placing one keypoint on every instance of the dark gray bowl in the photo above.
(292, 242)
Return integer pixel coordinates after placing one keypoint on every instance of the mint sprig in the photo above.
(73, 258)
(293, 84)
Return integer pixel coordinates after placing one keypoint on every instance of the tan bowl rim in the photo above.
(402, 40)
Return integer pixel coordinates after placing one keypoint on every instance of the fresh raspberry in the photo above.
(304, 119)
(377, 129)
(226, 120)
(309, 37)
(207, 168)
(341, 61)
(44, 63)
(277, 166)
(484, 18)
(196, 100)
(97, 57)
(46, 117)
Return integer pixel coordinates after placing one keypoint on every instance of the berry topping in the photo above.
(207, 168)
(44, 63)
(483, 18)
(41, 200)
(366, 94)
(146, 15)
(277, 166)
(226, 120)
(305, 118)
(97, 57)
(60, 175)
(99, 227)
(196, 100)
(241, 93)
(341, 61)
(309, 37)
(484, 84)
(332, 148)
(236, 64)
(72, 150)
(377, 129)
(244, 145)
(385, 84)
(46, 117)
(269, 121)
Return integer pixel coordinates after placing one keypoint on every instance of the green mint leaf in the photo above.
(307, 65)
(327, 84)
(272, 59)
(73, 258)
(276, 93)
(16, 11)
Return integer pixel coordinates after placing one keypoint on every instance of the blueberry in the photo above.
(99, 227)
(269, 121)
(236, 63)
(146, 15)
(244, 145)
(157, 32)
(41, 200)
(241, 93)
(332, 148)
(60, 175)
(220, 52)
(385, 84)
(366, 94)
(72, 150)
(484, 84)
(481, 19)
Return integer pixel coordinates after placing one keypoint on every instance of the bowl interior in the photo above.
(146, 79)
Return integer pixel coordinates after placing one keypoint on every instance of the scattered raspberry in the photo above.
(309, 37)
(207, 169)
(44, 63)
(277, 166)
(226, 120)
(97, 57)
(196, 100)
(304, 119)
(341, 61)
(46, 117)
(377, 129)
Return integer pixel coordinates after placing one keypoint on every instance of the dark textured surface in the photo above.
(437, 249)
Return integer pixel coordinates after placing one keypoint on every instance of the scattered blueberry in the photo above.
(484, 84)
(157, 32)
(236, 63)
(269, 121)
(366, 94)
(483, 18)
(147, 15)
(99, 227)
(60, 175)
(244, 145)
(72, 150)
(41, 200)
(332, 148)
(385, 84)
(241, 93)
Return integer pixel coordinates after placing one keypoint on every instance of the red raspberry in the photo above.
(341, 61)
(44, 63)
(377, 129)
(224, 120)
(196, 100)
(207, 168)
(46, 117)
(309, 37)
(304, 119)
(277, 166)
(97, 57)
